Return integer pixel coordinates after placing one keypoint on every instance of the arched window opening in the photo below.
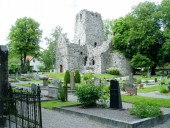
(93, 62)
(80, 16)
(61, 68)
(79, 41)
(85, 61)
(95, 44)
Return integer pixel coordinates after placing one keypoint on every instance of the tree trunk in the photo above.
(153, 70)
(25, 54)
(21, 66)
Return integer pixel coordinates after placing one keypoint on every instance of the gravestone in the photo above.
(131, 80)
(36, 76)
(34, 88)
(96, 81)
(105, 83)
(52, 91)
(3, 78)
(115, 96)
(55, 82)
(45, 81)
(72, 80)
(131, 91)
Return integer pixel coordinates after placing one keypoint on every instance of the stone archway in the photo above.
(61, 68)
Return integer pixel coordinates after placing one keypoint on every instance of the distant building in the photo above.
(89, 52)
(34, 63)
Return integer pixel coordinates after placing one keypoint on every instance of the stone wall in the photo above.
(119, 61)
(88, 28)
(89, 52)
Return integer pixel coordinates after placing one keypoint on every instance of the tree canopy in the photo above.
(48, 56)
(142, 33)
(24, 38)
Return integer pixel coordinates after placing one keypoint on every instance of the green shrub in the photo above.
(88, 95)
(163, 89)
(88, 78)
(77, 77)
(113, 71)
(162, 82)
(61, 95)
(144, 110)
(67, 77)
(103, 101)
(138, 81)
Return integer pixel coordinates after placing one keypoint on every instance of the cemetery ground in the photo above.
(66, 117)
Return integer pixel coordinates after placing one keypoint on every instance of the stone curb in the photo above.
(142, 123)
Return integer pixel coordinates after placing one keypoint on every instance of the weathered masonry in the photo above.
(89, 52)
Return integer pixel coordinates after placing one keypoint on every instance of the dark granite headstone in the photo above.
(115, 97)
(3, 76)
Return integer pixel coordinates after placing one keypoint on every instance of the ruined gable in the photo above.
(89, 52)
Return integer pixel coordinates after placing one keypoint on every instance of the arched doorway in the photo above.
(61, 68)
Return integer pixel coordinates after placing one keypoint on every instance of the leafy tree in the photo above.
(108, 28)
(66, 81)
(77, 77)
(67, 77)
(165, 20)
(13, 61)
(141, 61)
(48, 56)
(24, 38)
(139, 32)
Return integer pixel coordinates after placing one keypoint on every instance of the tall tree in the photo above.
(108, 28)
(24, 38)
(140, 33)
(165, 18)
(48, 56)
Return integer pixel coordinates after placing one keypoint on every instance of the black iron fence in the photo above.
(21, 109)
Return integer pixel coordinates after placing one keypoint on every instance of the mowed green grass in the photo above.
(106, 76)
(136, 99)
(26, 85)
(56, 75)
(57, 103)
(150, 89)
(60, 76)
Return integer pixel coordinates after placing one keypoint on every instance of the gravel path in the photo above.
(122, 114)
(55, 119)
(155, 94)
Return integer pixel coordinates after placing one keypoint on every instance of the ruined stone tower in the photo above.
(88, 29)
(89, 52)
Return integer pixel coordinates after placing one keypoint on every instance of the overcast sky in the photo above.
(51, 13)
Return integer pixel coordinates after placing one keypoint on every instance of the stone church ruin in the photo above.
(89, 52)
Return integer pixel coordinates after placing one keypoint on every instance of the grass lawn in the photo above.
(60, 76)
(150, 89)
(158, 101)
(57, 103)
(145, 78)
(106, 76)
(26, 85)
(56, 75)
(35, 81)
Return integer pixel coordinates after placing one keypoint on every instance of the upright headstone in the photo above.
(97, 81)
(52, 91)
(34, 88)
(45, 81)
(131, 80)
(3, 77)
(36, 76)
(115, 96)
(72, 80)
(55, 82)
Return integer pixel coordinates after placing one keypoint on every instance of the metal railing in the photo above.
(21, 109)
